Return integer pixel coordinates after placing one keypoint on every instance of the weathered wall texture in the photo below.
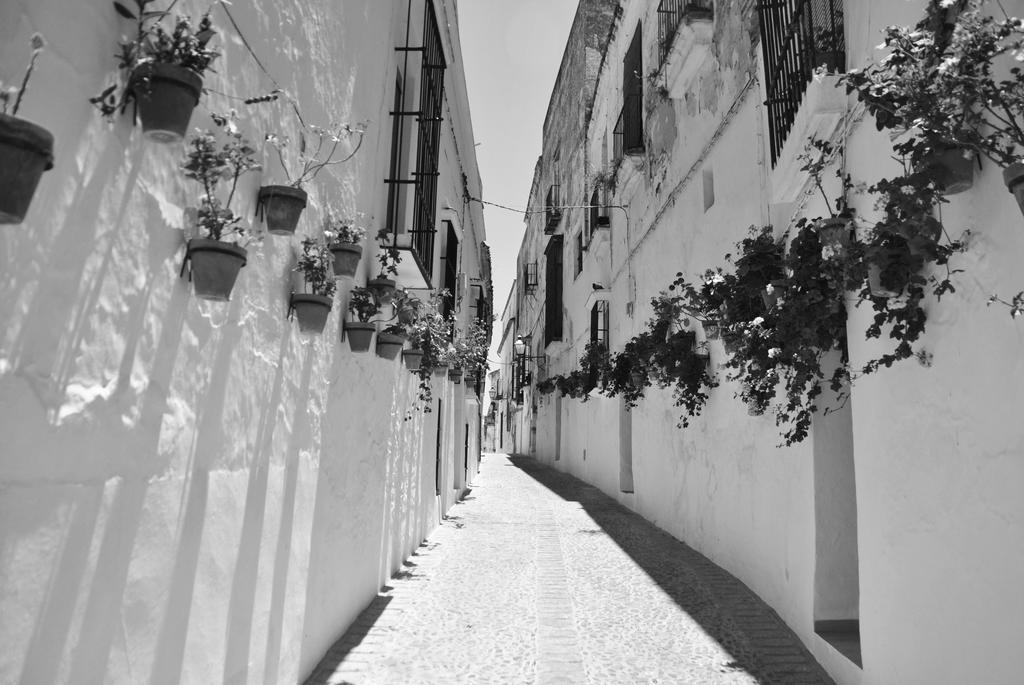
(901, 510)
(193, 491)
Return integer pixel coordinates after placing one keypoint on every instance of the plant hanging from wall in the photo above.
(345, 241)
(389, 257)
(313, 305)
(430, 333)
(363, 307)
(282, 205)
(215, 257)
(26, 149)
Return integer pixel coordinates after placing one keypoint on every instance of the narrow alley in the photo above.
(538, 577)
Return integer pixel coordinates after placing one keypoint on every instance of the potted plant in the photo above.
(282, 205)
(390, 341)
(164, 71)
(383, 287)
(413, 358)
(360, 332)
(345, 241)
(213, 261)
(312, 308)
(26, 149)
(455, 375)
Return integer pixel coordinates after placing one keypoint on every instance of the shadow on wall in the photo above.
(725, 608)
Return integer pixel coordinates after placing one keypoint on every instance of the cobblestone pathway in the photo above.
(540, 578)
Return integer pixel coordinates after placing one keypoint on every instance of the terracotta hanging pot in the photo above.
(389, 345)
(311, 311)
(213, 267)
(359, 335)
(441, 370)
(1013, 176)
(281, 207)
(26, 151)
(346, 258)
(455, 376)
(952, 170)
(835, 232)
(383, 289)
(412, 358)
(165, 95)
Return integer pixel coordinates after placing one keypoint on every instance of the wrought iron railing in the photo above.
(628, 135)
(797, 36)
(671, 13)
(552, 208)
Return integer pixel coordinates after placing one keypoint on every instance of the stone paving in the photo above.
(537, 577)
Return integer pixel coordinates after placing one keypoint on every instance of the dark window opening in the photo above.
(530, 276)
(553, 290)
(797, 36)
(451, 270)
(578, 268)
(671, 13)
(599, 323)
(629, 130)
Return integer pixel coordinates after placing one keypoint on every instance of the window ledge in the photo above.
(819, 116)
(690, 48)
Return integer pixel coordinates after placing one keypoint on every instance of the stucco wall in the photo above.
(900, 511)
(188, 490)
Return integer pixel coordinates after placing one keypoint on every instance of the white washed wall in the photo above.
(937, 451)
(188, 490)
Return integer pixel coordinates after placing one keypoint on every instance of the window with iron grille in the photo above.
(428, 145)
(797, 36)
(552, 208)
(629, 130)
(671, 13)
(599, 323)
(530, 276)
(553, 290)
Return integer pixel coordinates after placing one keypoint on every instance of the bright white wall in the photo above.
(192, 491)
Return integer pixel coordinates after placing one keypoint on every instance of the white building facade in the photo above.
(887, 538)
(194, 491)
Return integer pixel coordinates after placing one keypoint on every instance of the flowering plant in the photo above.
(338, 229)
(185, 45)
(210, 162)
(315, 157)
(16, 93)
(362, 305)
(315, 265)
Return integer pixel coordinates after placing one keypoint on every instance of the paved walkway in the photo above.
(538, 577)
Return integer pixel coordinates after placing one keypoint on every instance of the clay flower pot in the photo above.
(412, 359)
(213, 267)
(359, 335)
(441, 370)
(281, 206)
(1013, 176)
(952, 169)
(165, 95)
(383, 289)
(26, 151)
(311, 311)
(835, 232)
(455, 376)
(346, 258)
(389, 345)
(880, 285)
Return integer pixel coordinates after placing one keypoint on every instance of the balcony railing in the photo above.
(797, 37)
(628, 135)
(552, 209)
(671, 13)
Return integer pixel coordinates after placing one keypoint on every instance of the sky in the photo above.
(512, 50)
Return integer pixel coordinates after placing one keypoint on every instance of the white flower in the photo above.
(828, 252)
(774, 353)
(907, 190)
(758, 321)
(769, 288)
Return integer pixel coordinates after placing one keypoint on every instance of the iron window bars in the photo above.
(797, 36)
(530, 276)
(428, 144)
(671, 13)
(629, 129)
